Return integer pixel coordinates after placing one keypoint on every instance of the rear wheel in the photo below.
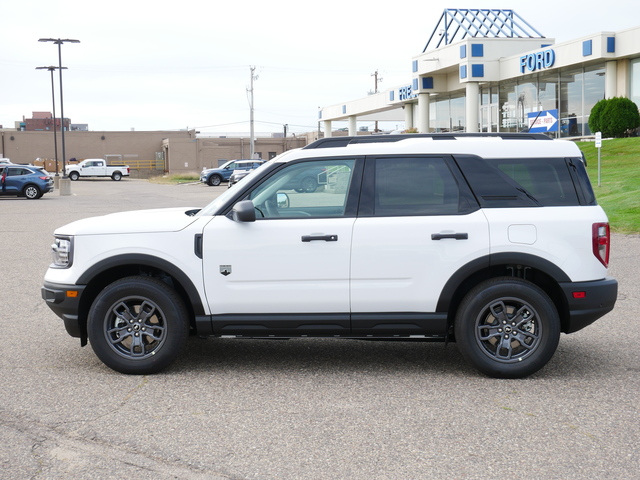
(137, 325)
(507, 328)
(32, 192)
(117, 176)
(308, 184)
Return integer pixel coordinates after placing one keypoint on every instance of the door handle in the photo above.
(455, 236)
(326, 238)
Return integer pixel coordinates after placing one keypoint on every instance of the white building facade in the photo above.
(490, 71)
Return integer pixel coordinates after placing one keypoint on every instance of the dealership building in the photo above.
(486, 70)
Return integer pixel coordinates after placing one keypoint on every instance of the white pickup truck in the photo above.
(96, 167)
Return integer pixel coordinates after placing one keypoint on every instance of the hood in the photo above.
(137, 221)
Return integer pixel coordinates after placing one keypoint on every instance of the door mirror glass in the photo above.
(282, 200)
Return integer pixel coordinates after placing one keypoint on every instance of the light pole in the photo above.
(59, 42)
(53, 99)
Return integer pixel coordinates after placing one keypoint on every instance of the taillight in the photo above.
(601, 242)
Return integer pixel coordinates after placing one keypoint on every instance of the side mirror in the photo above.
(244, 211)
(282, 200)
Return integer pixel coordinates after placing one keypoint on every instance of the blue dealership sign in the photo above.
(543, 121)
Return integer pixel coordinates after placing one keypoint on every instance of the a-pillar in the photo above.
(611, 79)
(327, 128)
(353, 126)
(423, 113)
(472, 106)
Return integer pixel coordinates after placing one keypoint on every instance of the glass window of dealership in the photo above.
(504, 107)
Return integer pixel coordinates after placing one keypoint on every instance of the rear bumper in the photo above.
(65, 306)
(588, 301)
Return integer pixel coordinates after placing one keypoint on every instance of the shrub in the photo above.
(614, 117)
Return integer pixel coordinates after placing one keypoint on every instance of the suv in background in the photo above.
(494, 241)
(243, 168)
(215, 176)
(25, 181)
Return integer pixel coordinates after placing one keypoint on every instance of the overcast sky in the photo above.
(167, 65)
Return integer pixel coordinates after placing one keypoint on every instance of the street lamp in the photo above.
(59, 42)
(53, 98)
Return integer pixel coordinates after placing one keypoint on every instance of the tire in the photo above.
(137, 325)
(214, 180)
(507, 328)
(74, 176)
(32, 192)
(116, 176)
(308, 184)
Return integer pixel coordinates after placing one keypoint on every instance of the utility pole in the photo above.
(377, 79)
(252, 140)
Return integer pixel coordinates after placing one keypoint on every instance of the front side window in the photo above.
(316, 188)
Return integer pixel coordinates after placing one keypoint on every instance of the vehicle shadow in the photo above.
(571, 361)
(319, 355)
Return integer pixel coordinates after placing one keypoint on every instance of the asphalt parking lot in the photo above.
(298, 409)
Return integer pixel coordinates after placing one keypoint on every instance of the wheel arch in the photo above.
(109, 270)
(538, 271)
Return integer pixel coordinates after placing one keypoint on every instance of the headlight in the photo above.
(62, 250)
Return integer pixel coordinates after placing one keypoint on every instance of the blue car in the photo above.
(215, 176)
(25, 181)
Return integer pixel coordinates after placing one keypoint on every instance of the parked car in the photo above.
(241, 172)
(215, 176)
(494, 241)
(97, 167)
(25, 181)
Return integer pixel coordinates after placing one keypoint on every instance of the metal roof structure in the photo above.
(476, 22)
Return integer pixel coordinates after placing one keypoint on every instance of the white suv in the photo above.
(493, 241)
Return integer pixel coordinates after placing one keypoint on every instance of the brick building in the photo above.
(42, 121)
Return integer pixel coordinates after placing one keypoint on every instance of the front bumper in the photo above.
(588, 301)
(65, 304)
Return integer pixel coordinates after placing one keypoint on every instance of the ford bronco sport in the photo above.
(494, 241)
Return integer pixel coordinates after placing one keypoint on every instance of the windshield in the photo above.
(214, 206)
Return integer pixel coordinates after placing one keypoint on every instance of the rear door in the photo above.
(418, 224)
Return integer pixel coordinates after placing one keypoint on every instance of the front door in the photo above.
(287, 272)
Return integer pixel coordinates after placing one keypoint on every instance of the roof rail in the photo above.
(336, 142)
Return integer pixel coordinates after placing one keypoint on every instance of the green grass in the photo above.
(619, 190)
(175, 179)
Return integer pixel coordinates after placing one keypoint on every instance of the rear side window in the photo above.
(405, 186)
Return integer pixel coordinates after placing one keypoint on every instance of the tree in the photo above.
(614, 117)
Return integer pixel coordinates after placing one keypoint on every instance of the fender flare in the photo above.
(494, 260)
(147, 261)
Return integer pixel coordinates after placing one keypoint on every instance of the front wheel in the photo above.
(74, 176)
(137, 325)
(214, 180)
(507, 327)
(117, 176)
